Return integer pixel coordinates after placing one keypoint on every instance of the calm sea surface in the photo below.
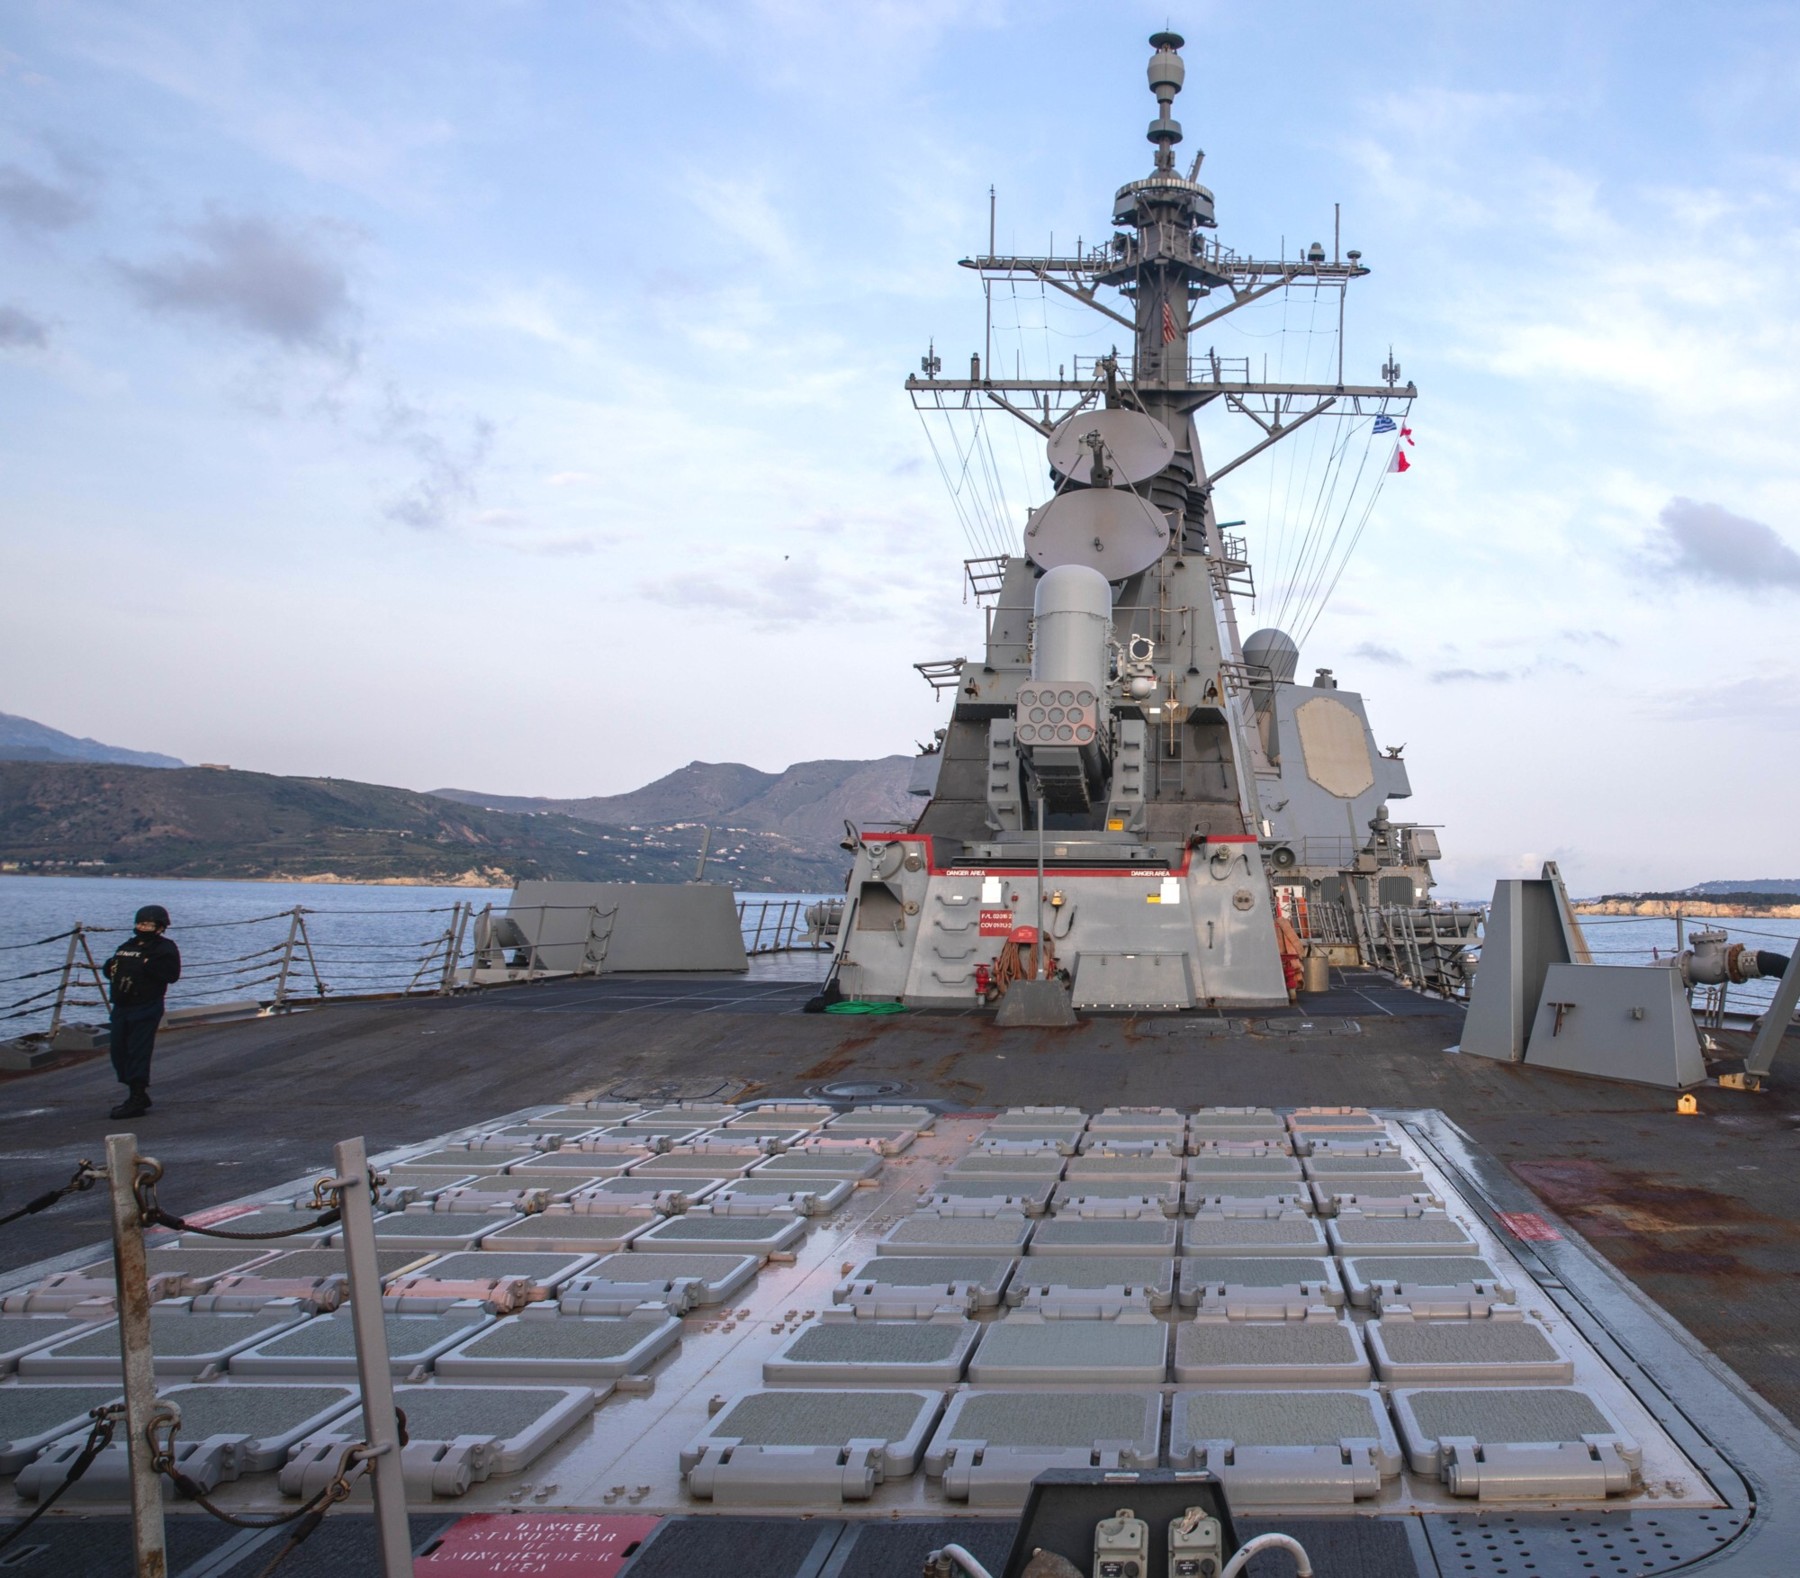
(1631, 939)
(233, 934)
(374, 939)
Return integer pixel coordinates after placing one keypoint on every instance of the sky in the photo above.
(509, 395)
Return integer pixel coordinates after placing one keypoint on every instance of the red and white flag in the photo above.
(1168, 324)
(1400, 462)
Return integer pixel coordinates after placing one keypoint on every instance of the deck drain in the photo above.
(860, 1089)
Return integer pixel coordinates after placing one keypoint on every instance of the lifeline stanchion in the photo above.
(380, 1428)
(131, 1274)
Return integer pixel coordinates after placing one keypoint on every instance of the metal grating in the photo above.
(1278, 1418)
(1050, 1419)
(818, 1418)
(1105, 1237)
(250, 1410)
(1023, 1350)
(1095, 1271)
(1576, 1544)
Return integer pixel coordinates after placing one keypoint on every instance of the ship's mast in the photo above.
(1170, 272)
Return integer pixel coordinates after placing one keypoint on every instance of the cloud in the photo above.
(776, 598)
(277, 281)
(19, 331)
(447, 467)
(1589, 638)
(1374, 652)
(1482, 676)
(30, 203)
(1708, 543)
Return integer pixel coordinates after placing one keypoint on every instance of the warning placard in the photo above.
(996, 923)
(545, 1545)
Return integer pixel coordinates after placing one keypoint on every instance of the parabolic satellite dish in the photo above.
(1111, 529)
(1136, 446)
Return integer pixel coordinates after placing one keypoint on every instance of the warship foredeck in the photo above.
(1696, 1211)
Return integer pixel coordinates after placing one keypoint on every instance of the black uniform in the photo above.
(141, 973)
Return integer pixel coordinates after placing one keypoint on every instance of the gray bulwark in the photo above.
(1504, 1347)
(956, 1235)
(1153, 1235)
(1027, 1349)
(1093, 1285)
(842, 1348)
(1517, 1443)
(457, 1435)
(543, 1344)
(1252, 1235)
(617, 1284)
(1259, 1283)
(992, 1444)
(183, 1342)
(905, 1287)
(31, 1417)
(23, 1334)
(742, 1235)
(570, 1232)
(1424, 1232)
(804, 1448)
(1288, 1448)
(1321, 1350)
(326, 1345)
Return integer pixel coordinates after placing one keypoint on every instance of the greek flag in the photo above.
(1384, 424)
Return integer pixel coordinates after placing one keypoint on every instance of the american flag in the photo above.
(1385, 424)
(1168, 324)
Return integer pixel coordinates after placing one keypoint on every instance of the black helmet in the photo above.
(155, 914)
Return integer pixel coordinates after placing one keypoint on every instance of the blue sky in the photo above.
(508, 395)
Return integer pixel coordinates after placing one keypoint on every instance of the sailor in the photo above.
(140, 973)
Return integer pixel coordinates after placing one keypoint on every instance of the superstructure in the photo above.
(1176, 784)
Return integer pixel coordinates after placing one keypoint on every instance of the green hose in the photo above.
(852, 1006)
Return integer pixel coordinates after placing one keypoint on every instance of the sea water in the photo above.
(357, 938)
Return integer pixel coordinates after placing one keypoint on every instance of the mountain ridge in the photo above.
(27, 740)
(83, 818)
(809, 801)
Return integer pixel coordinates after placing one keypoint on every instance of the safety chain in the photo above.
(86, 1176)
(100, 1436)
(153, 1215)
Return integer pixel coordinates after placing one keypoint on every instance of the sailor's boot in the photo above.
(135, 1105)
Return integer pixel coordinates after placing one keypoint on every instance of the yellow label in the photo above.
(1153, 898)
(1115, 827)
